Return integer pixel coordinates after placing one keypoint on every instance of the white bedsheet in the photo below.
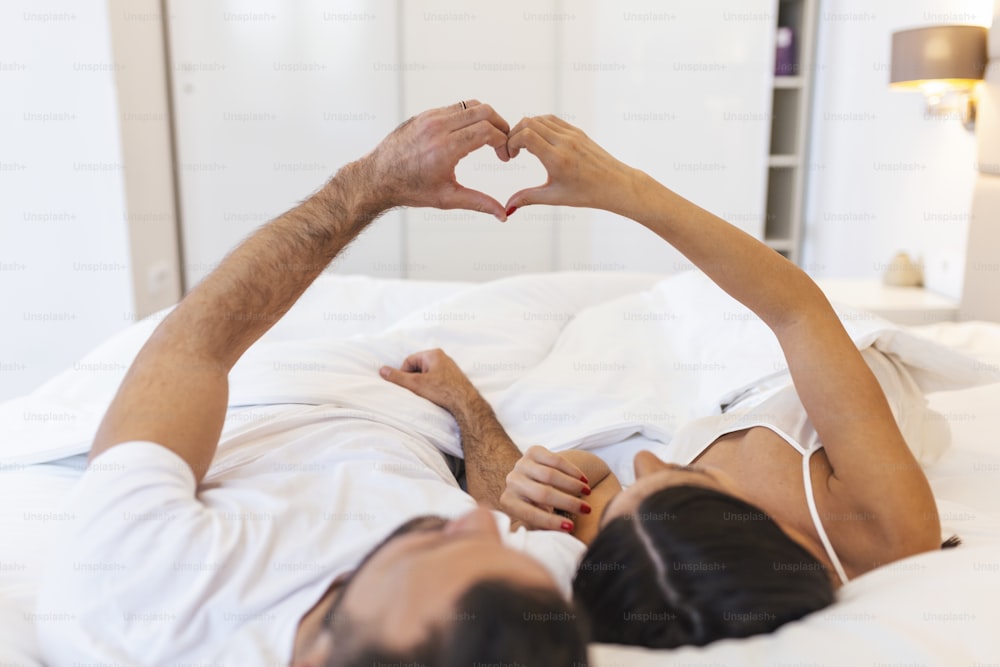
(568, 360)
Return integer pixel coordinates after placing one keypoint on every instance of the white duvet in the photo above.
(571, 360)
(564, 363)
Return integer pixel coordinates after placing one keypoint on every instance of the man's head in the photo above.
(449, 592)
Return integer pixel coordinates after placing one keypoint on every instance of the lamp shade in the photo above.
(951, 55)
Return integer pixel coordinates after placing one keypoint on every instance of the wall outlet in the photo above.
(158, 278)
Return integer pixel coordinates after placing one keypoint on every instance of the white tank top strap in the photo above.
(814, 512)
(781, 412)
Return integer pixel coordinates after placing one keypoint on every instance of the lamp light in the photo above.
(943, 62)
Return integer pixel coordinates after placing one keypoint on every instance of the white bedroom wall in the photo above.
(885, 177)
(681, 91)
(65, 281)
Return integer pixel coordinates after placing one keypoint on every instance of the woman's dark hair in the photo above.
(692, 566)
(494, 622)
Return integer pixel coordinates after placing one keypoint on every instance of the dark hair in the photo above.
(692, 566)
(495, 622)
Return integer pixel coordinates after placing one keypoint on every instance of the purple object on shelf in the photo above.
(784, 60)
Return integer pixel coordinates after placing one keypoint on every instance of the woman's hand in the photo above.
(580, 173)
(541, 483)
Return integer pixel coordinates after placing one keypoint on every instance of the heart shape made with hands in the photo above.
(484, 172)
(436, 159)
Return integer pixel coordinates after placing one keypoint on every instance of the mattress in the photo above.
(568, 342)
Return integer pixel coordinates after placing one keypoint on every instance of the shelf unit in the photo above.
(788, 158)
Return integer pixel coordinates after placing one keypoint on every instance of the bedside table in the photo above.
(902, 305)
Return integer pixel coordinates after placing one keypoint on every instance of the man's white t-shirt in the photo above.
(157, 571)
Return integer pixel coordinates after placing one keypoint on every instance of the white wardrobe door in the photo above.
(503, 54)
(681, 90)
(271, 98)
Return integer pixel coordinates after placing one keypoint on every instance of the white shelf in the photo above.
(783, 161)
(903, 305)
(788, 153)
(781, 245)
(788, 82)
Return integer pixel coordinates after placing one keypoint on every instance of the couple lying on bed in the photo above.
(760, 529)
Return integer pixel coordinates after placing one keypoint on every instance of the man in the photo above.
(248, 567)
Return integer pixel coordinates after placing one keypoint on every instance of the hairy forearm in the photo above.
(262, 278)
(176, 391)
(749, 271)
(490, 454)
(183, 368)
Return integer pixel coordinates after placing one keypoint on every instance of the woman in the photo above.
(774, 511)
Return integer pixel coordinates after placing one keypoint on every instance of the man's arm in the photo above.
(176, 391)
(490, 454)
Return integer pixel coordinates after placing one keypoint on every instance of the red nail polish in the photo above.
(583, 478)
(511, 210)
(585, 509)
(567, 526)
(585, 491)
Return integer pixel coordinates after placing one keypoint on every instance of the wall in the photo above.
(271, 98)
(884, 176)
(64, 261)
(503, 54)
(147, 152)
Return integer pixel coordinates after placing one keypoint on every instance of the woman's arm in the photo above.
(874, 472)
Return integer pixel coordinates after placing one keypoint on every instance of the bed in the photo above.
(580, 360)
(568, 360)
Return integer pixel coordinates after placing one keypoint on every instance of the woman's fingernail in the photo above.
(585, 491)
(511, 210)
(583, 478)
(585, 509)
(567, 526)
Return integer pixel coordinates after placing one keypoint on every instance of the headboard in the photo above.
(981, 290)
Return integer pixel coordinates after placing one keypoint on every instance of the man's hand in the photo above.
(434, 375)
(415, 165)
(489, 452)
